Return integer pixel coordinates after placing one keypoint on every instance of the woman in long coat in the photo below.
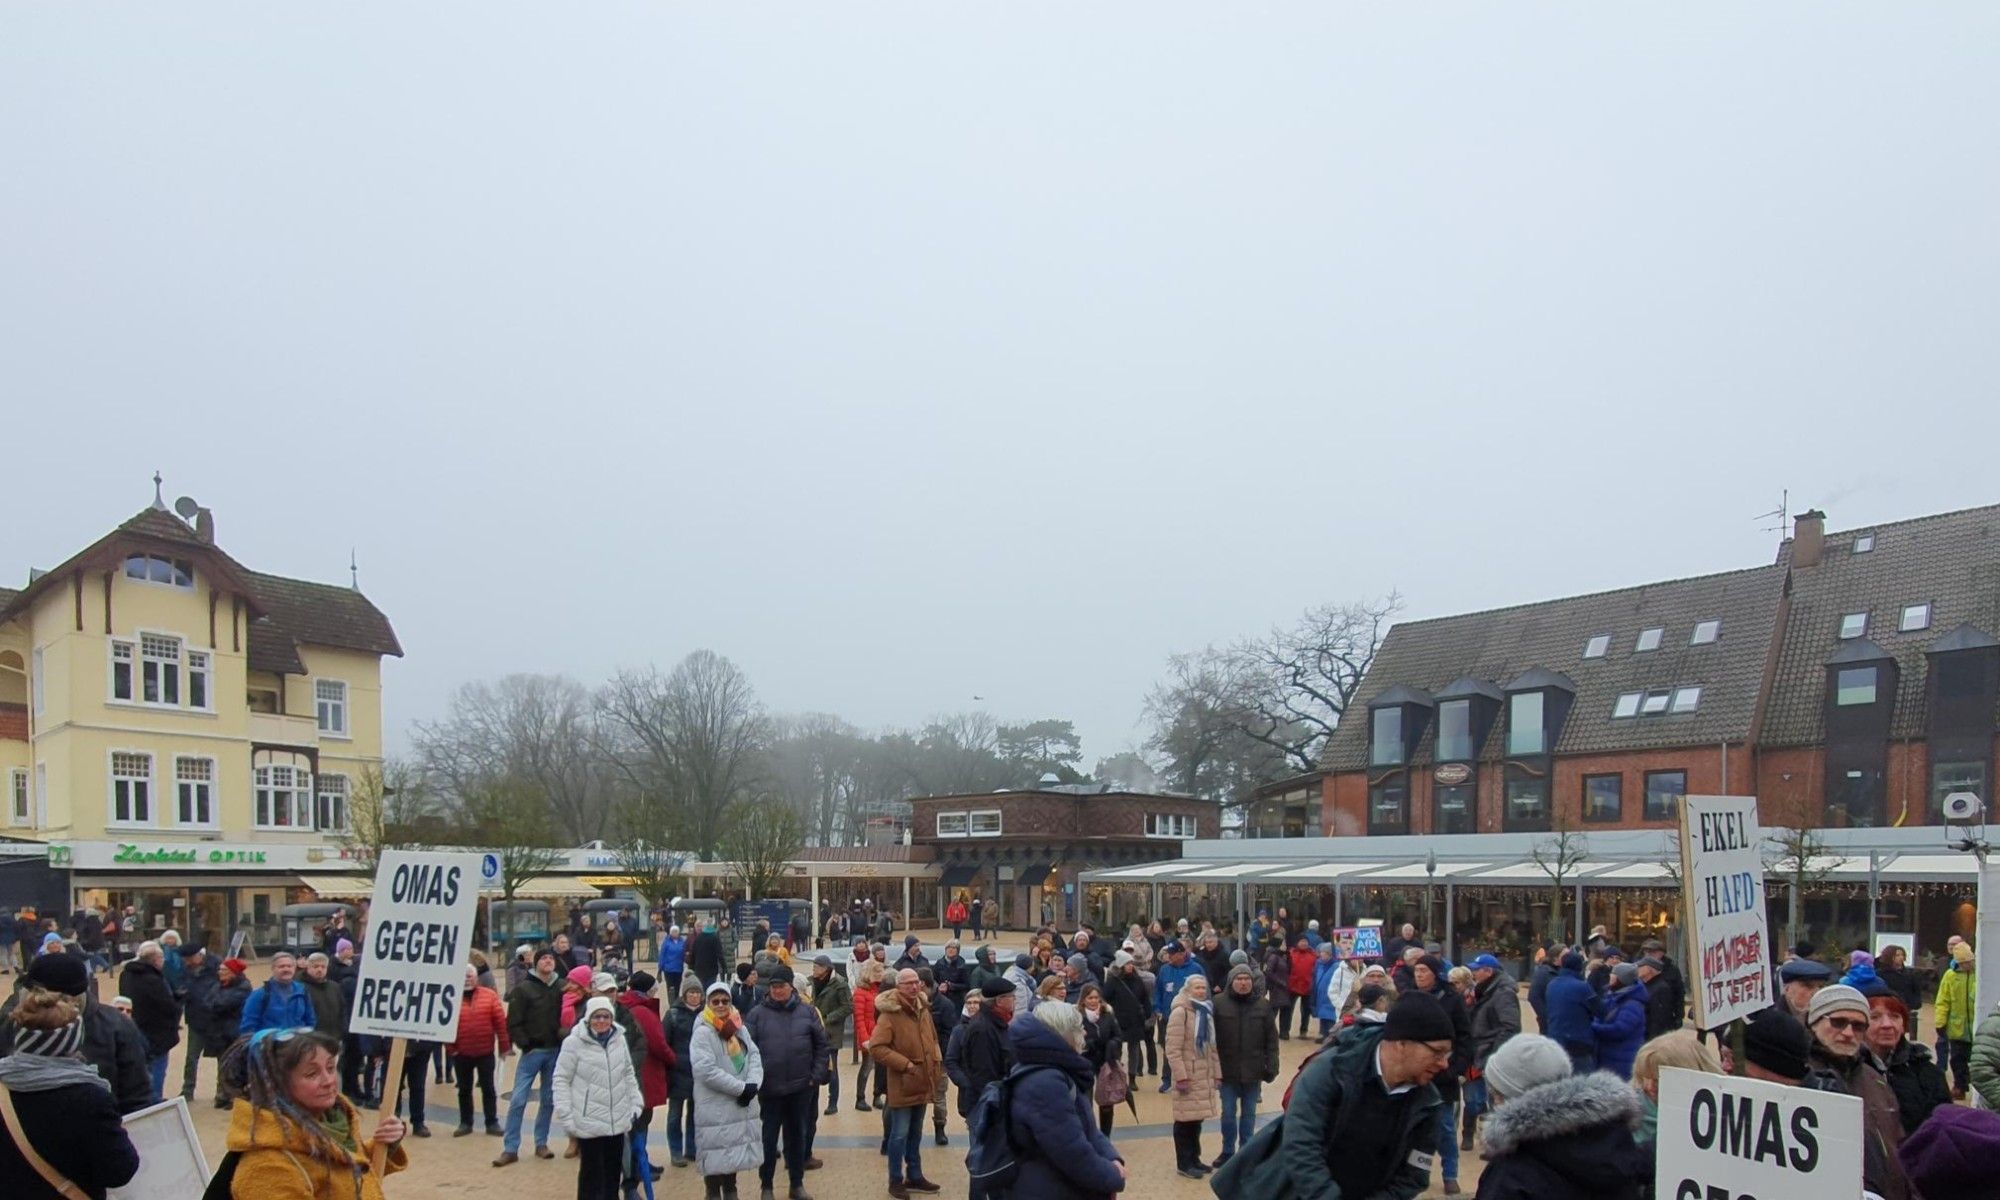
(727, 1073)
(1197, 1072)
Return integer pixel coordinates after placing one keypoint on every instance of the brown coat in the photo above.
(905, 1047)
(1202, 1069)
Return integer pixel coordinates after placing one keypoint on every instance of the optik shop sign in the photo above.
(170, 856)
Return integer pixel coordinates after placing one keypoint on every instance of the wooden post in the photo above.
(392, 1091)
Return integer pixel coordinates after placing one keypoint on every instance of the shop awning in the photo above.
(1033, 874)
(1223, 872)
(1141, 873)
(339, 887)
(958, 875)
(1420, 871)
(552, 887)
(1321, 872)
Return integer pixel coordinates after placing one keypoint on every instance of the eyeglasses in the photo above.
(1435, 1051)
(718, 1000)
(1847, 1024)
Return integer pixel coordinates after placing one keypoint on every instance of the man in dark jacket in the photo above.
(1496, 1017)
(1363, 1119)
(111, 1043)
(986, 1055)
(534, 1025)
(1670, 973)
(704, 956)
(913, 955)
(793, 1044)
(154, 1009)
(198, 977)
(1246, 1040)
(954, 974)
(1572, 1006)
(834, 1000)
(1664, 1013)
(328, 1004)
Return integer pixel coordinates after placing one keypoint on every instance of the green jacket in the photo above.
(835, 1002)
(1986, 1061)
(1954, 1005)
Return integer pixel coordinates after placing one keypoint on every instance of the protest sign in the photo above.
(170, 1159)
(418, 943)
(1724, 1136)
(1360, 942)
(1722, 888)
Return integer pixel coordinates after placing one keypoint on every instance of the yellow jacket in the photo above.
(277, 1161)
(1953, 1009)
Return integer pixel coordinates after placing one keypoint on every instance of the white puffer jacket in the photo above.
(597, 1093)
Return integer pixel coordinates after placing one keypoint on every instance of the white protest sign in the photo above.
(1722, 886)
(418, 943)
(170, 1159)
(1725, 1138)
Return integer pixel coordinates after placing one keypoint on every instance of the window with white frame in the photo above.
(1705, 632)
(20, 806)
(1853, 625)
(1655, 703)
(131, 788)
(157, 568)
(1168, 825)
(35, 682)
(284, 798)
(1686, 700)
(200, 690)
(159, 669)
(1597, 647)
(1627, 705)
(330, 698)
(951, 824)
(330, 802)
(1649, 639)
(194, 791)
(121, 670)
(983, 824)
(1916, 617)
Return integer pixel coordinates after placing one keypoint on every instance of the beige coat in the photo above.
(1201, 1069)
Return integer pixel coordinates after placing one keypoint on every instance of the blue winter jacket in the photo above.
(1322, 1002)
(1055, 1119)
(1167, 981)
(1621, 1030)
(673, 955)
(269, 1008)
(1572, 1005)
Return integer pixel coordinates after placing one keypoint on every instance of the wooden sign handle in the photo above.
(392, 1091)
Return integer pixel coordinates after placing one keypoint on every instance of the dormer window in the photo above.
(1864, 542)
(154, 568)
(1386, 738)
(1853, 625)
(1649, 639)
(1686, 700)
(1526, 732)
(1915, 617)
(1705, 632)
(1655, 703)
(1627, 705)
(1597, 646)
(1854, 685)
(1454, 740)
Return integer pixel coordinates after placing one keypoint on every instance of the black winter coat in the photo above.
(1902, 984)
(704, 956)
(534, 1014)
(1918, 1082)
(986, 1055)
(200, 984)
(224, 1016)
(154, 1009)
(954, 977)
(1461, 1042)
(792, 1042)
(1102, 1040)
(680, 1024)
(1129, 1000)
(76, 1129)
(1567, 1140)
(1246, 1039)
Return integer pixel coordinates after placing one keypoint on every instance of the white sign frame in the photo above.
(1772, 1115)
(171, 1162)
(418, 942)
(1729, 958)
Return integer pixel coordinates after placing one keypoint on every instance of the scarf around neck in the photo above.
(1203, 1012)
(731, 1044)
(34, 1073)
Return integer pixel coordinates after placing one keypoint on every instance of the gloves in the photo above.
(749, 1094)
(1473, 1073)
(1181, 1085)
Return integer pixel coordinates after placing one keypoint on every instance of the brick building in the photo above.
(1022, 851)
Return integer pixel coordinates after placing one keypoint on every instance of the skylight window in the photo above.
(1915, 617)
(1655, 703)
(1596, 647)
(1705, 632)
(1686, 700)
(1864, 542)
(1627, 706)
(1649, 640)
(1853, 625)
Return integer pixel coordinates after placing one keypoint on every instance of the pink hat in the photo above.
(343, 946)
(580, 976)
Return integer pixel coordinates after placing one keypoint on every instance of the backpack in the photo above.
(991, 1158)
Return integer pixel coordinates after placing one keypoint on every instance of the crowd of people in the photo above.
(1420, 1062)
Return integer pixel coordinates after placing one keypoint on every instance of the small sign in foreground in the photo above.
(419, 940)
(1722, 886)
(1721, 1136)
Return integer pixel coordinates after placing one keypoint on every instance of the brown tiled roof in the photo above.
(866, 854)
(272, 649)
(1950, 560)
(322, 614)
(1501, 644)
(7, 596)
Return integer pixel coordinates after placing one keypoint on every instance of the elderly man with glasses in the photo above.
(1838, 1018)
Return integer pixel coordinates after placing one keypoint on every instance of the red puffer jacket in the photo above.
(659, 1055)
(1304, 961)
(864, 1014)
(481, 1021)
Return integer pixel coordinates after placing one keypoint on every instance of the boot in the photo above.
(1471, 1135)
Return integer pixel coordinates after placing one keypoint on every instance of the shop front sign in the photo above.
(112, 855)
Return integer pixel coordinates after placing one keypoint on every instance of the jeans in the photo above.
(1473, 1092)
(789, 1115)
(906, 1140)
(680, 1126)
(156, 1070)
(1239, 1114)
(535, 1064)
(480, 1068)
(10, 956)
(1447, 1143)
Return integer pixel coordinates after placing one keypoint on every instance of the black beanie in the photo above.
(65, 973)
(641, 982)
(1777, 1042)
(1418, 1017)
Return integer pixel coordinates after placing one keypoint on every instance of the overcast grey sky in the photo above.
(904, 353)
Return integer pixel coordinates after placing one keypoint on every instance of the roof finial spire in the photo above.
(353, 570)
(159, 501)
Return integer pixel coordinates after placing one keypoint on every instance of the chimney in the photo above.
(1808, 538)
(204, 525)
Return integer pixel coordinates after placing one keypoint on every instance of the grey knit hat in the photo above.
(1524, 1061)
(1626, 974)
(1237, 958)
(1078, 962)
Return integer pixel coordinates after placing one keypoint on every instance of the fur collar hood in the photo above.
(1561, 1109)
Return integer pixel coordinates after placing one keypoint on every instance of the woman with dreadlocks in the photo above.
(295, 1137)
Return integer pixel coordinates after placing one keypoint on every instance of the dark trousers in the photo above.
(1135, 1058)
(353, 1070)
(597, 1167)
(190, 1070)
(833, 1080)
(1104, 1114)
(1305, 1004)
(1187, 1143)
(1961, 1064)
(790, 1115)
(1285, 1018)
(416, 1071)
(467, 1069)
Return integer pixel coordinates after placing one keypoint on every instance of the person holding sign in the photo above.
(296, 1137)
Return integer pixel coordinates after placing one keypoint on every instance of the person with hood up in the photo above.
(791, 1044)
(983, 968)
(1049, 1108)
(1572, 1011)
(1553, 1134)
(295, 1137)
(653, 1059)
(597, 1098)
(1246, 1036)
(1621, 1030)
(1195, 1063)
(1954, 1015)
(62, 1106)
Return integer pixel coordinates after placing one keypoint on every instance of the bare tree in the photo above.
(1200, 731)
(960, 755)
(811, 761)
(1558, 857)
(1797, 853)
(392, 807)
(763, 838)
(1292, 686)
(510, 818)
(529, 728)
(693, 736)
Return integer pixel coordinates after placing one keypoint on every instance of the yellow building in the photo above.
(182, 734)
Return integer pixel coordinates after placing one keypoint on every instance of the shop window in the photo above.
(1664, 792)
(330, 803)
(1389, 806)
(131, 788)
(194, 792)
(284, 798)
(1603, 797)
(1454, 807)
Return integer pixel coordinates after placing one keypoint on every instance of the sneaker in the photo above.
(461, 1131)
(507, 1159)
(1165, 1088)
(544, 1152)
(922, 1185)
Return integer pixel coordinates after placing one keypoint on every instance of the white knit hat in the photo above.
(1524, 1061)
(598, 1004)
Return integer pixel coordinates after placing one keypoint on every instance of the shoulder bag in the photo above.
(54, 1178)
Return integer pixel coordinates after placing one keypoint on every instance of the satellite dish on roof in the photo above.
(186, 507)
